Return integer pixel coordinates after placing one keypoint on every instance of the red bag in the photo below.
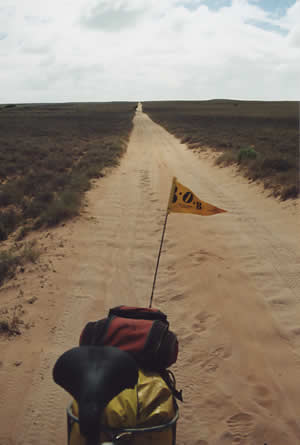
(142, 332)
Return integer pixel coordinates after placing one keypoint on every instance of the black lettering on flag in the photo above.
(188, 197)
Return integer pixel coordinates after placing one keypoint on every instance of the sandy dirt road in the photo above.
(229, 284)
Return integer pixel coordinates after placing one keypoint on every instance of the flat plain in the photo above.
(229, 284)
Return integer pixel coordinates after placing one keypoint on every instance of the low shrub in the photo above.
(246, 153)
(34, 208)
(64, 206)
(186, 139)
(3, 232)
(279, 165)
(9, 220)
(79, 181)
(59, 181)
(290, 192)
(30, 253)
(10, 259)
(8, 263)
(10, 193)
(93, 172)
(22, 233)
(10, 325)
(45, 196)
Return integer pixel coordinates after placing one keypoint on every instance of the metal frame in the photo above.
(120, 433)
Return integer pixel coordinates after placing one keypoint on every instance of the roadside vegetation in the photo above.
(17, 256)
(48, 156)
(11, 321)
(262, 138)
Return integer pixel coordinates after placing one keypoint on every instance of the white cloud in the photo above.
(111, 17)
(146, 49)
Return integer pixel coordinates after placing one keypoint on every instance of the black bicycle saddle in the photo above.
(94, 375)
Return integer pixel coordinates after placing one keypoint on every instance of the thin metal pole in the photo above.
(157, 264)
(173, 186)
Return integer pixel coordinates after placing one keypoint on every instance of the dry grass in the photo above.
(11, 322)
(262, 138)
(18, 255)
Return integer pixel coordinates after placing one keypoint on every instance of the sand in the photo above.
(229, 284)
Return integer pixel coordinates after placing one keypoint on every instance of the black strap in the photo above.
(170, 380)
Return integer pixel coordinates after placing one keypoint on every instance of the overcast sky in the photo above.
(110, 50)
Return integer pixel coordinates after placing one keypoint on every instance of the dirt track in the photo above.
(229, 283)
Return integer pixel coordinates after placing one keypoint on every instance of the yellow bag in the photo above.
(149, 404)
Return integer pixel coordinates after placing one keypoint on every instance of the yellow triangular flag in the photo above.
(183, 200)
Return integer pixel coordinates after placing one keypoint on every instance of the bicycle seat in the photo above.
(94, 375)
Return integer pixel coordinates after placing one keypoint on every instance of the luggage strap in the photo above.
(170, 380)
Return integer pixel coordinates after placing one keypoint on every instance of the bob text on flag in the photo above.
(183, 200)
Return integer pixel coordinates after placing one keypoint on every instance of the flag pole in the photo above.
(162, 238)
(159, 253)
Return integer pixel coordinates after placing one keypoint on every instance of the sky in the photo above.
(137, 50)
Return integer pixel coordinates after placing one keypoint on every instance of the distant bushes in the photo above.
(246, 153)
(261, 138)
(10, 106)
(49, 154)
